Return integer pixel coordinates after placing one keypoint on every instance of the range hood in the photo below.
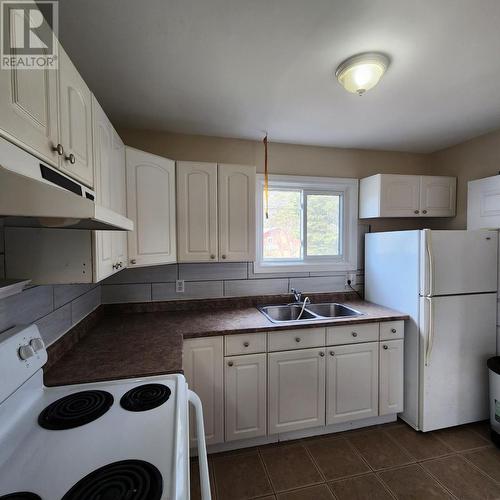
(34, 194)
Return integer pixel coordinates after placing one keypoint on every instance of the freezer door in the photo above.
(455, 262)
(457, 336)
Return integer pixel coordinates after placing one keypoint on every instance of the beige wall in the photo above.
(286, 159)
(474, 159)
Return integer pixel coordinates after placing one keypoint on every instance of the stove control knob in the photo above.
(25, 352)
(37, 344)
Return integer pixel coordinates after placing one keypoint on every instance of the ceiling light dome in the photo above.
(362, 72)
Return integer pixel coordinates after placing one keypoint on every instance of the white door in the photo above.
(391, 374)
(28, 108)
(151, 205)
(458, 335)
(437, 196)
(197, 211)
(202, 363)
(236, 194)
(458, 262)
(75, 109)
(483, 203)
(352, 382)
(296, 389)
(104, 264)
(245, 388)
(399, 195)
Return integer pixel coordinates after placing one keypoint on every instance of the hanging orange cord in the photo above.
(266, 180)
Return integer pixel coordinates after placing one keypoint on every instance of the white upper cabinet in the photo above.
(236, 212)
(215, 212)
(109, 161)
(483, 203)
(29, 108)
(151, 205)
(394, 195)
(197, 211)
(75, 108)
(352, 382)
(437, 196)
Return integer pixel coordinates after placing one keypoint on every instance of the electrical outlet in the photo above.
(179, 286)
(351, 277)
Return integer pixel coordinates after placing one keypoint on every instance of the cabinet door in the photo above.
(245, 396)
(28, 108)
(391, 377)
(437, 196)
(197, 211)
(202, 363)
(352, 382)
(105, 263)
(399, 195)
(236, 193)
(296, 390)
(151, 205)
(75, 103)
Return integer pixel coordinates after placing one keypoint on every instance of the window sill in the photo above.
(259, 268)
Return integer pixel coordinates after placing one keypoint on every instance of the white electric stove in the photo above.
(113, 440)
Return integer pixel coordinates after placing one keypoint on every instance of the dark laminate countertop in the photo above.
(135, 344)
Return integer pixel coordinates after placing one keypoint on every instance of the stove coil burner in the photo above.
(125, 480)
(75, 410)
(145, 397)
(22, 495)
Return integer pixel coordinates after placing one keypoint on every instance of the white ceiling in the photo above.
(234, 68)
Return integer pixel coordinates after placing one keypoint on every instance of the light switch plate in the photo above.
(179, 286)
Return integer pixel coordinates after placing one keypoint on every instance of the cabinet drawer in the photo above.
(350, 334)
(248, 343)
(296, 339)
(390, 330)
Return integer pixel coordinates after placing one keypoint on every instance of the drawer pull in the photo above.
(354, 334)
(321, 353)
(297, 339)
(393, 330)
(246, 344)
(332, 353)
(229, 363)
(386, 347)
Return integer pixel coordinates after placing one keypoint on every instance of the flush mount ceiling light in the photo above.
(362, 72)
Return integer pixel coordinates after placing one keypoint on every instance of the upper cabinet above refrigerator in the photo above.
(394, 195)
(483, 203)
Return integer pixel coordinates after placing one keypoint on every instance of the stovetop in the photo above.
(140, 424)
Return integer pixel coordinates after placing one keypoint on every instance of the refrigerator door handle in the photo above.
(430, 333)
(430, 261)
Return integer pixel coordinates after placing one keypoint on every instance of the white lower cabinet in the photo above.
(352, 382)
(245, 388)
(391, 377)
(296, 388)
(203, 368)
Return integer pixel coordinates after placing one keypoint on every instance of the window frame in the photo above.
(347, 189)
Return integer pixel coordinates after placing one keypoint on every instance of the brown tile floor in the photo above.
(383, 463)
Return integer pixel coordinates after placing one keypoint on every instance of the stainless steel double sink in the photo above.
(291, 313)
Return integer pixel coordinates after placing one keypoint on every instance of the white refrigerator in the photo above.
(446, 281)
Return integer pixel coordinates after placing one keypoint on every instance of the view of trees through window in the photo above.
(284, 236)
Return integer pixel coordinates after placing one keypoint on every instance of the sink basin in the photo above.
(286, 313)
(289, 313)
(332, 310)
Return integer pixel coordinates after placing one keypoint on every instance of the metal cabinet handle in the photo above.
(297, 339)
(246, 344)
(354, 334)
(321, 353)
(393, 330)
(229, 363)
(332, 353)
(223, 256)
(212, 256)
(385, 347)
(417, 211)
(71, 158)
(424, 211)
(133, 261)
(59, 149)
